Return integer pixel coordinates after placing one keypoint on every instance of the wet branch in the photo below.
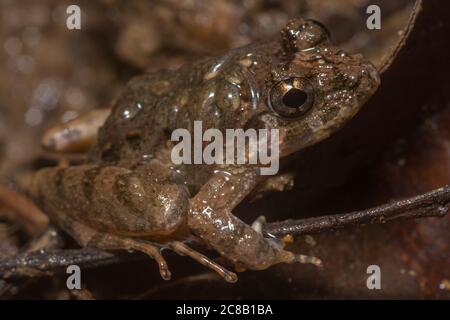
(46, 262)
(432, 204)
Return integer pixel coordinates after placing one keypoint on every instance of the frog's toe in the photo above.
(284, 256)
(258, 224)
(183, 249)
(155, 253)
(112, 242)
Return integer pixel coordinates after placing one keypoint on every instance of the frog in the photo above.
(129, 195)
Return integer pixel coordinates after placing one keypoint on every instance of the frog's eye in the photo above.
(292, 97)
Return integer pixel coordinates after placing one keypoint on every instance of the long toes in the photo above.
(183, 249)
(289, 257)
(309, 259)
(163, 267)
(162, 263)
(155, 253)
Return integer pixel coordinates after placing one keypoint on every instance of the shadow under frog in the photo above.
(129, 195)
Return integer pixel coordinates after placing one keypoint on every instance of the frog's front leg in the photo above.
(76, 135)
(211, 219)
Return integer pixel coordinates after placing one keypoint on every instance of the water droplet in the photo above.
(342, 54)
(146, 158)
(131, 111)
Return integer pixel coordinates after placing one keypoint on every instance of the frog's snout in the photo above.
(369, 80)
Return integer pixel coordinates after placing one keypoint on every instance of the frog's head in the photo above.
(315, 88)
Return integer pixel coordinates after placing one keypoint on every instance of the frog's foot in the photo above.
(77, 135)
(183, 249)
(110, 242)
(283, 256)
(258, 226)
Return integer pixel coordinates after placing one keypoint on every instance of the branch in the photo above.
(433, 204)
(46, 262)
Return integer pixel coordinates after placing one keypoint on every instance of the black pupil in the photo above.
(294, 98)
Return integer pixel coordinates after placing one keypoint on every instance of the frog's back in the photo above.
(218, 91)
(142, 115)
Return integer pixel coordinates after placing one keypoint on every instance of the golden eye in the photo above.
(291, 97)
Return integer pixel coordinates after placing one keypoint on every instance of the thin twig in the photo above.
(393, 51)
(50, 238)
(433, 204)
(45, 262)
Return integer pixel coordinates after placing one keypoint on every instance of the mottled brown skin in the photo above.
(130, 193)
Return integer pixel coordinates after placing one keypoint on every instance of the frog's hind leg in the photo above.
(112, 199)
(111, 207)
(87, 236)
(183, 249)
(284, 256)
(77, 135)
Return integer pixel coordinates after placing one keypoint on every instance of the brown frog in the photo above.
(131, 196)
